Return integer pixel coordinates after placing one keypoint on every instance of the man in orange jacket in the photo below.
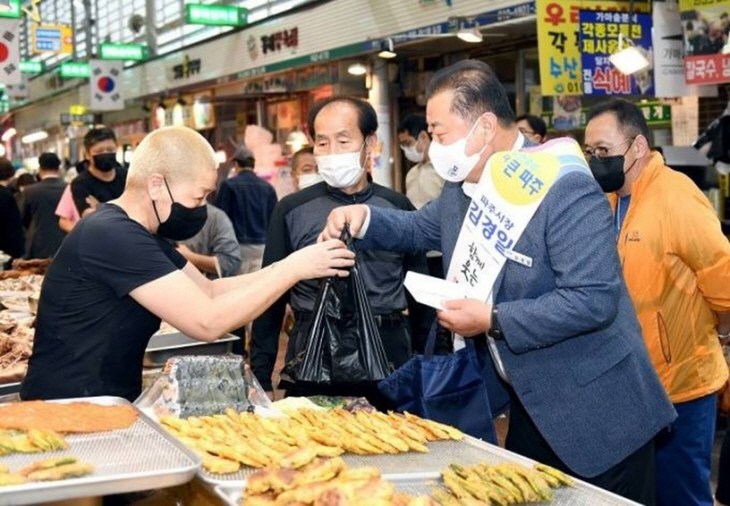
(676, 263)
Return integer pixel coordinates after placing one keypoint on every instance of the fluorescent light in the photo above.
(8, 134)
(220, 156)
(628, 60)
(2, 148)
(5, 6)
(386, 50)
(36, 136)
(473, 35)
(357, 69)
(128, 156)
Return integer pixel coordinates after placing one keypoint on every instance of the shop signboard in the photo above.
(599, 34)
(215, 15)
(558, 40)
(56, 39)
(13, 12)
(79, 119)
(669, 57)
(75, 70)
(108, 51)
(705, 24)
(655, 113)
(32, 67)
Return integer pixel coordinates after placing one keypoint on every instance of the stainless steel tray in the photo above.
(418, 473)
(140, 457)
(9, 388)
(163, 346)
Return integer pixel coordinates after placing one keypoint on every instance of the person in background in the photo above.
(214, 250)
(104, 179)
(532, 128)
(304, 169)
(116, 276)
(39, 209)
(344, 134)
(676, 263)
(248, 201)
(11, 226)
(423, 184)
(566, 342)
(66, 211)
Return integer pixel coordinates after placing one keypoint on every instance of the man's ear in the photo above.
(641, 146)
(155, 185)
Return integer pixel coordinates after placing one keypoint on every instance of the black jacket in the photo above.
(11, 228)
(39, 217)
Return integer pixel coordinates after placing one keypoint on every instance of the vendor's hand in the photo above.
(322, 260)
(466, 317)
(354, 216)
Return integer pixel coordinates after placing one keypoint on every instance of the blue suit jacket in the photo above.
(572, 348)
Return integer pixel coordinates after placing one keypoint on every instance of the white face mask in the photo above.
(451, 162)
(412, 153)
(307, 180)
(341, 170)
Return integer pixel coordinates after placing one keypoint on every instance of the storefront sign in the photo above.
(123, 51)
(599, 33)
(668, 42)
(655, 113)
(558, 41)
(216, 15)
(75, 69)
(13, 12)
(79, 119)
(280, 40)
(706, 24)
(187, 68)
(57, 39)
(32, 67)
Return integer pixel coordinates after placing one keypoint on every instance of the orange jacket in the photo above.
(676, 263)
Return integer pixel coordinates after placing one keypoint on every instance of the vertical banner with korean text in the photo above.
(9, 52)
(706, 24)
(558, 40)
(599, 33)
(105, 85)
(513, 185)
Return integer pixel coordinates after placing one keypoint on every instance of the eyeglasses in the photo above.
(525, 131)
(602, 151)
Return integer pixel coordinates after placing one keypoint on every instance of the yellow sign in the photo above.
(77, 110)
(558, 41)
(57, 39)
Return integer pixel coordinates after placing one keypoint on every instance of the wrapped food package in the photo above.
(203, 385)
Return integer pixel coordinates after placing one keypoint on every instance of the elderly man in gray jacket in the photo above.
(584, 395)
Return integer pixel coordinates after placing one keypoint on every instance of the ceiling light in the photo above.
(8, 134)
(357, 69)
(471, 35)
(36, 136)
(386, 49)
(628, 60)
(220, 156)
(5, 6)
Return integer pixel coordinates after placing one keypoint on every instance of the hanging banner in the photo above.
(558, 40)
(9, 52)
(668, 44)
(599, 33)
(706, 24)
(106, 85)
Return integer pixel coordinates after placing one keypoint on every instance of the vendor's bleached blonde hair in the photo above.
(177, 153)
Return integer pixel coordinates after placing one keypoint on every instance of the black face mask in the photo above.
(183, 222)
(106, 162)
(609, 171)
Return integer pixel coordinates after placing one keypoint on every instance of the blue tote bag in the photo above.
(453, 389)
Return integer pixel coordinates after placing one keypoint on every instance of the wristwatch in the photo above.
(495, 331)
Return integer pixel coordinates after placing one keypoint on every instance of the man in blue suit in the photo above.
(584, 395)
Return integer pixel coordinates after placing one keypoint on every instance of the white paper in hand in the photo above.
(432, 291)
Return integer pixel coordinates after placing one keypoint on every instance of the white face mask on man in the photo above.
(451, 162)
(412, 154)
(341, 170)
(307, 180)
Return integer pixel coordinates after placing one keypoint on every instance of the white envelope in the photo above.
(433, 291)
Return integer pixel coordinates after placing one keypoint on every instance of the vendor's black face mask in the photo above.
(183, 222)
(105, 161)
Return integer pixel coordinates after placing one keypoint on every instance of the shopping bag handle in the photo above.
(431, 342)
(346, 236)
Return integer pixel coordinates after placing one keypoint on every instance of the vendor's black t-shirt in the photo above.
(90, 334)
(85, 184)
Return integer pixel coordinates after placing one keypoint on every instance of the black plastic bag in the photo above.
(343, 342)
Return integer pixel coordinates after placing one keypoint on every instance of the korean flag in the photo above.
(106, 85)
(9, 52)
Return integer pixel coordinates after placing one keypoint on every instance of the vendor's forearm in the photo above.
(204, 263)
(225, 285)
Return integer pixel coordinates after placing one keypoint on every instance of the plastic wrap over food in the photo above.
(203, 385)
